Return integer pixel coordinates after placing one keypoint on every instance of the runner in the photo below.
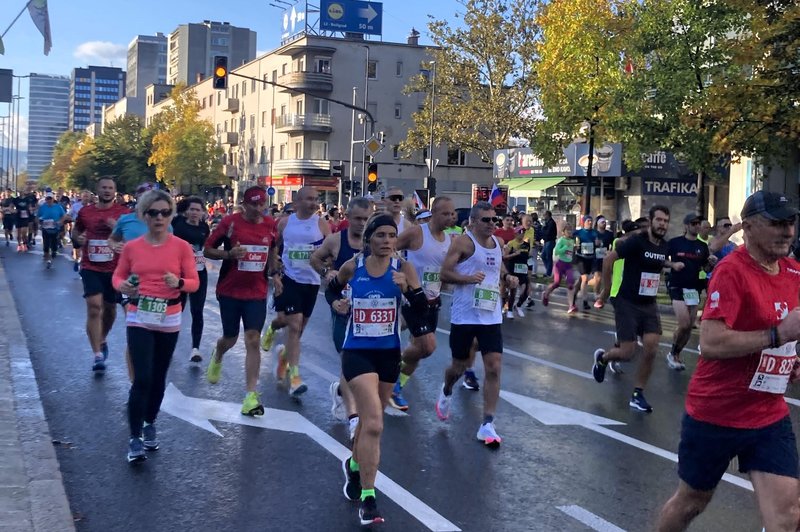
(77, 205)
(603, 244)
(33, 206)
(371, 355)
(735, 405)
(684, 286)
(516, 254)
(635, 308)
(153, 271)
(23, 207)
(336, 249)
(299, 234)
(51, 218)
(188, 225)
(426, 246)
(248, 239)
(585, 242)
(628, 228)
(549, 237)
(393, 203)
(9, 212)
(474, 264)
(562, 267)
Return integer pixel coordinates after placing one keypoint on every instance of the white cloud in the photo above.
(103, 52)
(23, 131)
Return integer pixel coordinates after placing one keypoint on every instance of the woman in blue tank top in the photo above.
(371, 355)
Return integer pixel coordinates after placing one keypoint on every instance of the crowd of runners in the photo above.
(383, 271)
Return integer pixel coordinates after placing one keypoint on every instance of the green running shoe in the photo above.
(252, 405)
(267, 338)
(214, 368)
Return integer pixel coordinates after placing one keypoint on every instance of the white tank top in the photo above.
(300, 239)
(428, 259)
(479, 304)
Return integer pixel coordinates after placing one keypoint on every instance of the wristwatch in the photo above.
(180, 283)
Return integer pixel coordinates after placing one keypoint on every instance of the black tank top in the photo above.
(345, 251)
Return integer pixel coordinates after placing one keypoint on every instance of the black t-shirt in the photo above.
(23, 205)
(643, 264)
(195, 235)
(6, 204)
(693, 254)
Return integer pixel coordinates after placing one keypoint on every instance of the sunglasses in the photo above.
(152, 213)
(727, 225)
(696, 222)
(395, 197)
(490, 219)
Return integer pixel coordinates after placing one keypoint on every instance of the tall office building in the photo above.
(147, 63)
(90, 89)
(192, 48)
(48, 118)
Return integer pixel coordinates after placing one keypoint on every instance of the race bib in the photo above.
(300, 255)
(587, 248)
(23, 213)
(373, 318)
(521, 268)
(48, 224)
(255, 258)
(99, 251)
(774, 369)
(151, 310)
(568, 254)
(486, 297)
(600, 253)
(431, 281)
(199, 260)
(691, 297)
(648, 284)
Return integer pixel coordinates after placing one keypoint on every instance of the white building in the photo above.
(192, 48)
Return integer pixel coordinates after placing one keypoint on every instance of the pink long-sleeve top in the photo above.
(160, 304)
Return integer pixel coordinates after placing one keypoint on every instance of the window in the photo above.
(372, 70)
(321, 106)
(283, 110)
(395, 152)
(244, 88)
(233, 124)
(226, 126)
(236, 91)
(252, 122)
(283, 69)
(219, 98)
(322, 65)
(251, 156)
(282, 152)
(274, 75)
(319, 149)
(456, 157)
(263, 118)
(301, 64)
(398, 110)
(298, 150)
(219, 128)
(398, 70)
(299, 107)
(252, 85)
(264, 84)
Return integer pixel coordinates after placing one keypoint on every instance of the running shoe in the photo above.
(149, 437)
(337, 403)
(639, 402)
(49, 263)
(214, 368)
(616, 367)
(531, 303)
(19, 248)
(136, 451)
(99, 365)
(104, 350)
(297, 386)
(353, 425)
(352, 482)
(599, 303)
(396, 400)
(252, 405)
(282, 371)
(572, 309)
(471, 381)
(599, 367)
(488, 435)
(520, 312)
(545, 300)
(674, 363)
(267, 338)
(196, 356)
(586, 305)
(368, 512)
(443, 405)
(509, 315)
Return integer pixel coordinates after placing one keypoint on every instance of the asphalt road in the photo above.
(559, 468)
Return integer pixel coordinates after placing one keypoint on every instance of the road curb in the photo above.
(32, 495)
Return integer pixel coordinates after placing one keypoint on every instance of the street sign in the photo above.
(354, 16)
(271, 191)
(373, 145)
(428, 164)
(293, 21)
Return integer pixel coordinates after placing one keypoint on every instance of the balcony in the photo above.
(231, 138)
(302, 166)
(310, 81)
(229, 170)
(231, 105)
(292, 123)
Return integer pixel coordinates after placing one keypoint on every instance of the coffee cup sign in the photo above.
(602, 159)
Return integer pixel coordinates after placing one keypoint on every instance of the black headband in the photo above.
(378, 221)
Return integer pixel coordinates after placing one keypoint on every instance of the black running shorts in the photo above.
(297, 297)
(252, 313)
(633, 319)
(384, 362)
(99, 283)
(489, 337)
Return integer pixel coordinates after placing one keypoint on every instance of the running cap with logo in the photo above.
(255, 195)
(691, 217)
(771, 205)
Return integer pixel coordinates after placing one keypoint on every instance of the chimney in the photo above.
(413, 38)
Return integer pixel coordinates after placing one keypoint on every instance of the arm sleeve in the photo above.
(123, 269)
(191, 281)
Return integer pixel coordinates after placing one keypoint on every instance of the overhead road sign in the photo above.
(355, 16)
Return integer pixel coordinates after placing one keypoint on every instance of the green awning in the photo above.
(523, 186)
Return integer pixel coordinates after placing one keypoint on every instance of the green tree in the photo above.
(485, 82)
(184, 152)
(60, 172)
(123, 151)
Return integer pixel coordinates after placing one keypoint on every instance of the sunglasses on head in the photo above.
(395, 197)
(152, 213)
(490, 219)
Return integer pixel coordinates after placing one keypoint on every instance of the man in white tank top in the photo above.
(297, 287)
(427, 246)
(474, 264)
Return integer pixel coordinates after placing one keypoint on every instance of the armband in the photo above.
(334, 291)
(416, 299)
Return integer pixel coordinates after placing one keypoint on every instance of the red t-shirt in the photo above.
(727, 392)
(93, 223)
(506, 234)
(246, 278)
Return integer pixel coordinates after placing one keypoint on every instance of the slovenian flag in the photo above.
(418, 201)
(495, 197)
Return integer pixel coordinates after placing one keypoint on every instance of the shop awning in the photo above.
(528, 187)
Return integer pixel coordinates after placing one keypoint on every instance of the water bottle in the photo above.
(133, 280)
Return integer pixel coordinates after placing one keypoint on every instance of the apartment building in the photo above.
(48, 118)
(192, 47)
(147, 63)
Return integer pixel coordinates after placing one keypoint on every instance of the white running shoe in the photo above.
(674, 363)
(337, 406)
(488, 435)
(520, 312)
(352, 428)
(443, 405)
(196, 356)
(509, 315)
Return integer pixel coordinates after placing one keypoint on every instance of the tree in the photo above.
(485, 78)
(123, 150)
(59, 174)
(184, 151)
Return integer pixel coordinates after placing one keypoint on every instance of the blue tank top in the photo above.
(374, 303)
(346, 252)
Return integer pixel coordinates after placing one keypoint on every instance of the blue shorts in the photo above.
(706, 450)
(251, 312)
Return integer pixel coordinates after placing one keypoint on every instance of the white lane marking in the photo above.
(589, 519)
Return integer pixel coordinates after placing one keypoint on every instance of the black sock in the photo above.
(638, 390)
(487, 419)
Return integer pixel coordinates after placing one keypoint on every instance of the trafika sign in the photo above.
(669, 187)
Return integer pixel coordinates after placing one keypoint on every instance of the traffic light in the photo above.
(336, 170)
(356, 188)
(220, 72)
(346, 185)
(372, 177)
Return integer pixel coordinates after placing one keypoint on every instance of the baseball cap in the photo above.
(255, 195)
(691, 217)
(144, 187)
(48, 194)
(771, 205)
(586, 218)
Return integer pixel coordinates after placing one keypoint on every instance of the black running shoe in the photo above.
(352, 482)
(368, 512)
(150, 437)
(586, 305)
(531, 303)
(599, 367)
(639, 402)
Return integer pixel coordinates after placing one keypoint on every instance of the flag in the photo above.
(418, 201)
(2, 48)
(38, 11)
(495, 197)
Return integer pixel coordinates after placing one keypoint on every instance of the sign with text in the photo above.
(669, 187)
(354, 16)
(293, 21)
(522, 162)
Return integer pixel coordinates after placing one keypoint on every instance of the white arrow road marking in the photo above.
(589, 519)
(368, 13)
(198, 412)
(552, 414)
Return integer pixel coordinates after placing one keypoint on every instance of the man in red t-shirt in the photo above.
(93, 226)
(248, 255)
(735, 405)
(507, 231)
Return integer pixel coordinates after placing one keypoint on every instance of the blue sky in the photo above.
(98, 32)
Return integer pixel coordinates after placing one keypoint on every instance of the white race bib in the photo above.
(691, 297)
(48, 224)
(373, 318)
(151, 310)
(431, 281)
(600, 253)
(199, 260)
(774, 369)
(587, 248)
(99, 251)
(486, 297)
(648, 284)
(300, 255)
(255, 258)
(521, 268)
(23, 213)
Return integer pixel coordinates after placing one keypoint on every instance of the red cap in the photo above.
(255, 195)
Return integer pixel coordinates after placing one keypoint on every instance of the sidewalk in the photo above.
(32, 497)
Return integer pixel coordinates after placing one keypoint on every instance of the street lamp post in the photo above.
(366, 106)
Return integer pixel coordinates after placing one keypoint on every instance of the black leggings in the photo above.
(197, 301)
(151, 353)
(50, 239)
